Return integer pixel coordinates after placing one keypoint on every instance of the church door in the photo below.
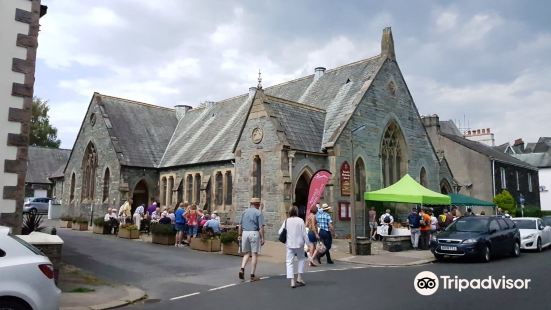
(301, 193)
(140, 195)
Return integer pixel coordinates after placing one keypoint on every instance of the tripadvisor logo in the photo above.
(427, 283)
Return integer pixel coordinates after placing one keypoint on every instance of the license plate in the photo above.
(448, 248)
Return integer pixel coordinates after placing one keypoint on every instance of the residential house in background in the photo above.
(482, 171)
(42, 164)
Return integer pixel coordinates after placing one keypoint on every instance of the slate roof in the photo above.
(42, 162)
(540, 160)
(450, 128)
(502, 147)
(302, 125)
(201, 137)
(207, 134)
(488, 151)
(543, 145)
(140, 132)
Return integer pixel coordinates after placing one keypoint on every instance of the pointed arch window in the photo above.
(197, 188)
(163, 191)
(106, 183)
(169, 191)
(257, 177)
(219, 188)
(89, 167)
(72, 190)
(393, 155)
(189, 188)
(359, 179)
(229, 188)
(423, 177)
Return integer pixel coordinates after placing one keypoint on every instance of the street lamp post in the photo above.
(353, 193)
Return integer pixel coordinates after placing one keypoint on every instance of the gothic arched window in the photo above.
(423, 177)
(359, 179)
(189, 188)
(89, 166)
(393, 155)
(72, 190)
(106, 182)
(197, 187)
(163, 191)
(257, 177)
(219, 188)
(229, 188)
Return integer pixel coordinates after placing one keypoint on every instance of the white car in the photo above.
(534, 235)
(27, 276)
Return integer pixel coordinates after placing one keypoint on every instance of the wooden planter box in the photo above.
(80, 226)
(128, 234)
(231, 249)
(97, 230)
(65, 224)
(209, 245)
(163, 239)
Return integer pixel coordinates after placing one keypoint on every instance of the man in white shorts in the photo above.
(251, 236)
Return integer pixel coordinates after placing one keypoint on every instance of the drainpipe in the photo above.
(291, 155)
(494, 180)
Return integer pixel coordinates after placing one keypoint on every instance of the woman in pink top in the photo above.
(192, 216)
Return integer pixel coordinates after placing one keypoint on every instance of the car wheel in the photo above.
(516, 249)
(486, 254)
(13, 304)
(539, 246)
(33, 211)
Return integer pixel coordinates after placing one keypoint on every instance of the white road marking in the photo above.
(185, 296)
(264, 278)
(222, 287)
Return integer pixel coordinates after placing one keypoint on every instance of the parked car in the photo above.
(27, 281)
(481, 237)
(546, 220)
(36, 205)
(534, 234)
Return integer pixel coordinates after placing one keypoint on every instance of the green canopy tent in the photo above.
(462, 200)
(407, 190)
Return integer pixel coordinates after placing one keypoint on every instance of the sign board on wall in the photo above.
(345, 179)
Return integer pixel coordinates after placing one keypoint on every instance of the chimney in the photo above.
(518, 142)
(387, 44)
(318, 72)
(181, 110)
(431, 121)
(208, 104)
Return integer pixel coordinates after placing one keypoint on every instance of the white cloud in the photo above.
(104, 17)
(446, 21)
(181, 68)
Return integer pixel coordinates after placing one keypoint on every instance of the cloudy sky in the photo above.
(485, 62)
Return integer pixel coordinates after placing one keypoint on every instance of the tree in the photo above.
(506, 202)
(42, 133)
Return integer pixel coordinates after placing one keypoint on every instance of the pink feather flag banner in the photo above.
(317, 186)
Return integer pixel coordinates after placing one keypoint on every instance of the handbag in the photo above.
(320, 247)
(283, 234)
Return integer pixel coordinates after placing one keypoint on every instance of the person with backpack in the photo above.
(413, 221)
(387, 220)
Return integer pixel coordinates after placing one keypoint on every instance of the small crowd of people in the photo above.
(187, 220)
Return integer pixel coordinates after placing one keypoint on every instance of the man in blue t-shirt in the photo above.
(180, 221)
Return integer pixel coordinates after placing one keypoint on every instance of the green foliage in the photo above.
(229, 236)
(506, 202)
(42, 132)
(529, 211)
(80, 220)
(31, 222)
(162, 229)
(99, 222)
(129, 227)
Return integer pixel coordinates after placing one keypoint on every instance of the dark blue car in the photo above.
(481, 237)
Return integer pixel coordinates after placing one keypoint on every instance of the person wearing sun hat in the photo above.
(325, 224)
(251, 236)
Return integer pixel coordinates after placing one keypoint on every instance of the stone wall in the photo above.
(96, 133)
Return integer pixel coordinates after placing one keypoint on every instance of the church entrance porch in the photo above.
(140, 195)
(301, 193)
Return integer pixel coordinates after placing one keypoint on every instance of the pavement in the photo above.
(165, 272)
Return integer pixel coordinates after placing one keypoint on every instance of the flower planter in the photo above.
(65, 224)
(97, 229)
(231, 248)
(75, 226)
(163, 239)
(128, 234)
(209, 245)
(81, 226)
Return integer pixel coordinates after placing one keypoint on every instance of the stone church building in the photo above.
(266, 143)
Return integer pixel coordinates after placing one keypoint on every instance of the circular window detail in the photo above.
(257, 135)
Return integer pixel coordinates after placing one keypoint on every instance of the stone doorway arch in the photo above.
(140, 195)
(301, 191)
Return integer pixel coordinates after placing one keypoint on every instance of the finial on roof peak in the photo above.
(387, 44)
(259, 86)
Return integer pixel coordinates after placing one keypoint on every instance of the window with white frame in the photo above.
(529, 182)
(503, 178)
(518, 183)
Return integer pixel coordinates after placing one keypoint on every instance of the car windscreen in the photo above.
(469, 225)
(547, 221)
(26, 244)
(525, 224)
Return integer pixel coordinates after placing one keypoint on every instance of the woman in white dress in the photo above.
(296, 239)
